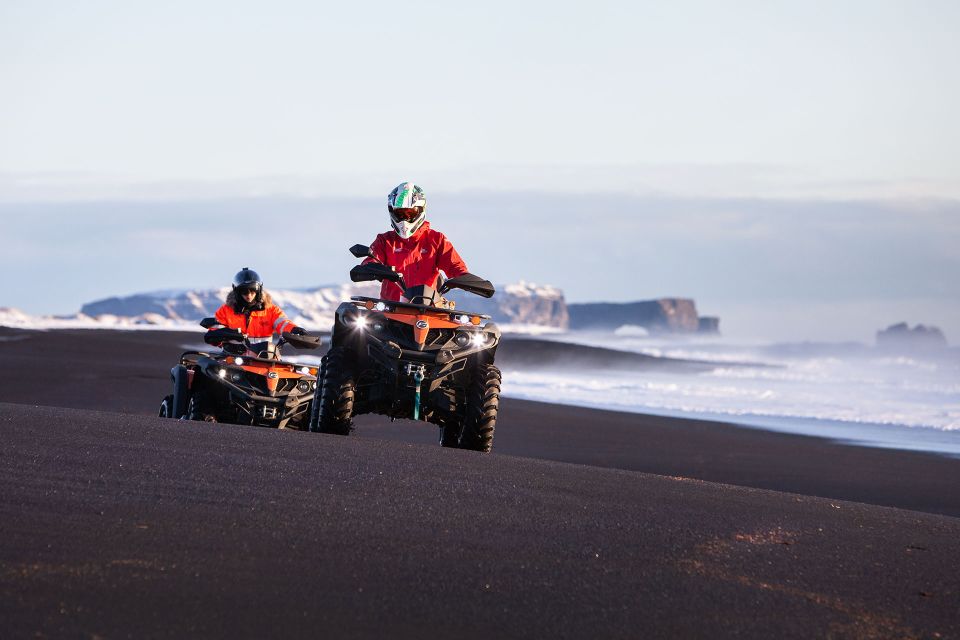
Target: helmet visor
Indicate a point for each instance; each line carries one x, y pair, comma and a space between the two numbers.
406, 214
244, 290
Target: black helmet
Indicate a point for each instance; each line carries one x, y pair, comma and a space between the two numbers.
247, 278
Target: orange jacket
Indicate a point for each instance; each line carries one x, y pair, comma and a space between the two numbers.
259, 323
420, 258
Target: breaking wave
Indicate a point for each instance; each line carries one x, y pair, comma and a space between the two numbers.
844, 391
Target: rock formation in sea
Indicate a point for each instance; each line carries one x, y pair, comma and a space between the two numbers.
665, 315
901, 337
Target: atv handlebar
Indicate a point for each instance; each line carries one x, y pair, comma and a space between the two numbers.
217, 337
301, 342
379, 271
224, 336
469, 283
375, 271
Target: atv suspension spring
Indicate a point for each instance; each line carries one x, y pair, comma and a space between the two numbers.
418, 375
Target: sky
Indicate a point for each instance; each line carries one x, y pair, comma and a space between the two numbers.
758, 156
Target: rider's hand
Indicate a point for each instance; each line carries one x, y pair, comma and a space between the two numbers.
298, 331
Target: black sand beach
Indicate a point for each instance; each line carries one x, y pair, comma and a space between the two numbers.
115, 523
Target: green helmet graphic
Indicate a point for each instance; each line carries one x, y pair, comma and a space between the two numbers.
407, 205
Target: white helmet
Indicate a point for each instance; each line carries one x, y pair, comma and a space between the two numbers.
407, 205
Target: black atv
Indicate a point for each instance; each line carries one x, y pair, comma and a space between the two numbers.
419, 359
241, 386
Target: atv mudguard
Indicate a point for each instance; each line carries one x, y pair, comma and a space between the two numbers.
181, 390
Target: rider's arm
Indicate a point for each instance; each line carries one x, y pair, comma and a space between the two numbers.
278, 321
448, 260
379, 250
222, 316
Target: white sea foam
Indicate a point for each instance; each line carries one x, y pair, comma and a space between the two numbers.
854, 393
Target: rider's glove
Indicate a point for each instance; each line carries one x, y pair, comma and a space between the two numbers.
298, 331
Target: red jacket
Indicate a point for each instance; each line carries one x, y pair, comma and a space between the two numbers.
420, 258
261, 323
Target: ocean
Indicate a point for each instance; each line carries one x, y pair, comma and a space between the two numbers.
845, 391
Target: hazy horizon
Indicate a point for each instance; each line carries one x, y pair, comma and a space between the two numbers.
786, 269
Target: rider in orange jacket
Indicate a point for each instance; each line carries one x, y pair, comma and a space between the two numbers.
251, 310
417, 252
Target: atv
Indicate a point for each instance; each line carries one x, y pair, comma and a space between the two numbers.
418, 358
242, 386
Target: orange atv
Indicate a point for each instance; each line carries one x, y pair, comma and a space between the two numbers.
240, 385
419, 359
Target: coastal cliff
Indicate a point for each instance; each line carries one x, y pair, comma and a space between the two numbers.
519, 305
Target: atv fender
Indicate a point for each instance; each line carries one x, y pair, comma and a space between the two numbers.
181, 390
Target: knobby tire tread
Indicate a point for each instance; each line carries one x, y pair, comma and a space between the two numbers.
314, 422
483, 404
338, 392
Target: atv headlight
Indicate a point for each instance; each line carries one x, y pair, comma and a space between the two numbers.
462, 339
304, 370
238, 361
360, 322
303, 386
478, 339
222, 373
381, 306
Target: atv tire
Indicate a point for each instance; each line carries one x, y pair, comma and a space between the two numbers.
480, 414
196, 406
314, 422
166, 407
335, 395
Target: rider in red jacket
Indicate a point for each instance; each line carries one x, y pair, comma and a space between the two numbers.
418, 252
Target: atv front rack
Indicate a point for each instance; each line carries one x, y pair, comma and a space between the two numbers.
229, 357
390, 304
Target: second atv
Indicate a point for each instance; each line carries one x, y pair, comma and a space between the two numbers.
418, 359
241, 386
